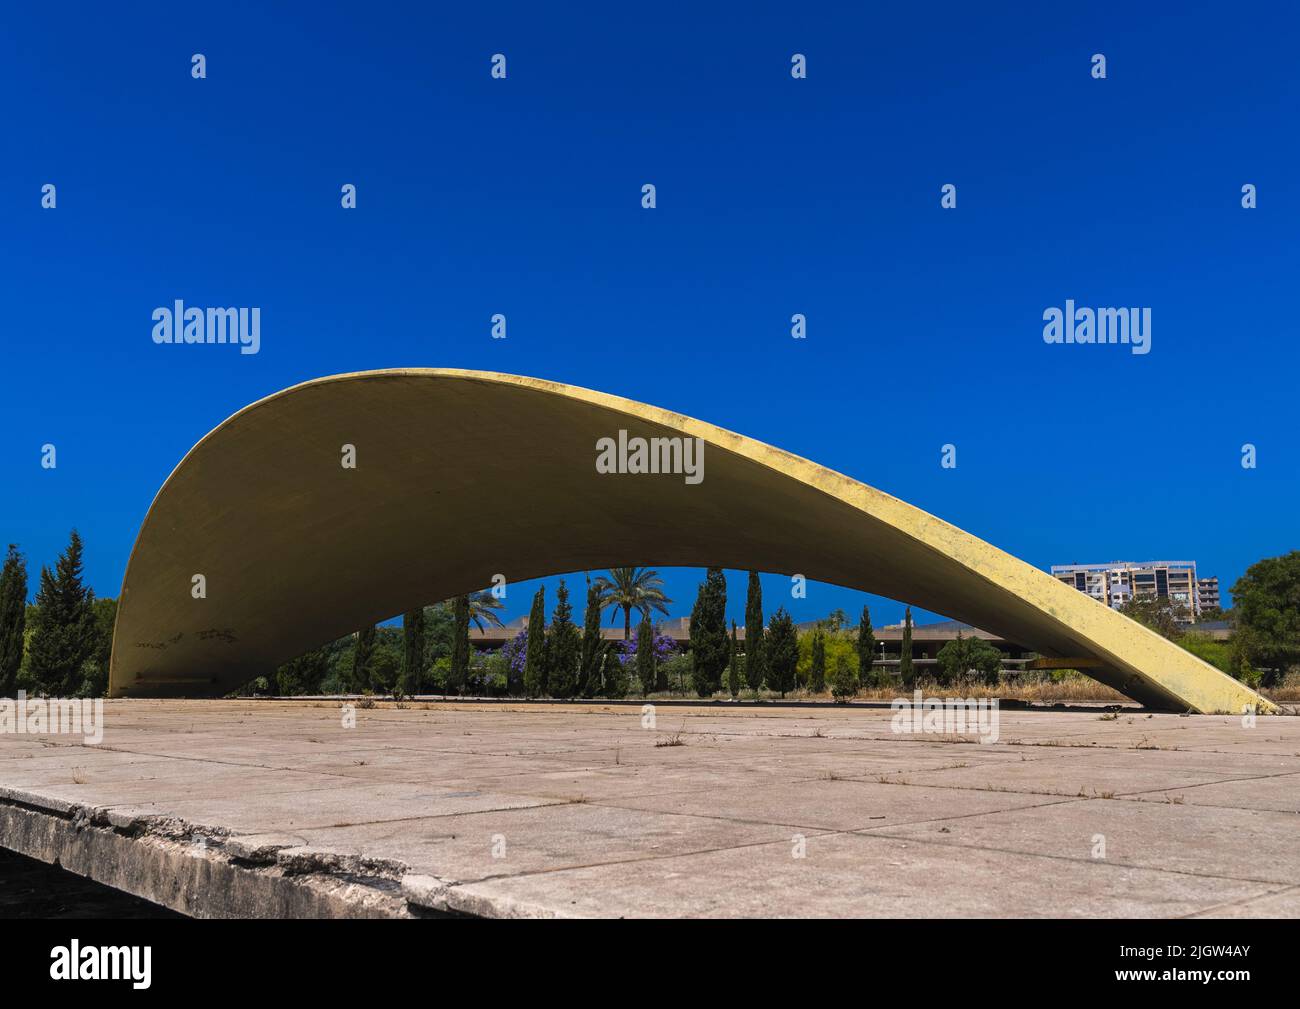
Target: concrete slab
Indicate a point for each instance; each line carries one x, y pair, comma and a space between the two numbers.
1276, 793
333, 806
1081, 773
508, 842
256, 808
1172, 838
1283, 903
156, 783
829, 805
851, 875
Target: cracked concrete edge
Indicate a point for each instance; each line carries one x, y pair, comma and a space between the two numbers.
46, 803
197, 871
428, 892
208, 872
302, 860
124, 819
452, 897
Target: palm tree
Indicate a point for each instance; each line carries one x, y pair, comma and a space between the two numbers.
482, 609
629, 589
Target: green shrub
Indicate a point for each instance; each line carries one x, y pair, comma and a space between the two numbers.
677, 672
440, 675
844, 680
836, 644
491, 673
1204, 647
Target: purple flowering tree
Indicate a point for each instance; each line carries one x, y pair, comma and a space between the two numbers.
516, 651
664, 648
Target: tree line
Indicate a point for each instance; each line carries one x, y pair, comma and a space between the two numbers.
59, 644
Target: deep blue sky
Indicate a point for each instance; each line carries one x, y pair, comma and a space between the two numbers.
776, 196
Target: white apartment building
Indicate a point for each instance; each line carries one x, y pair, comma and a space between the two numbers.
1119, 581
1207, 594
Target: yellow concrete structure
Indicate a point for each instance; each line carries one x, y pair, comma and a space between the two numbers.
263, 543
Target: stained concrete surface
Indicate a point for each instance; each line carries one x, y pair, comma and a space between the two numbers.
276, 808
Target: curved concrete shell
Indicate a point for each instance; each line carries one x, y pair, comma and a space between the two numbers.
463, 475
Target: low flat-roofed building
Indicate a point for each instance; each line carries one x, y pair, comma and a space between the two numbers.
927, 639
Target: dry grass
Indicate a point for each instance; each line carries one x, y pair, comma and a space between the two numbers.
1072, 689
1045, 691
1069, 689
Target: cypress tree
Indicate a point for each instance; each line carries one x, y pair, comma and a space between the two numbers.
866, 650
535, 657
733, 665
905, 667
564, 649
593, 652
64, 635
615, 675
440, 637
709, 634
645, 654
412, 651
817, 673
13, 618
459, 672
755, 664
782, 649
361, 656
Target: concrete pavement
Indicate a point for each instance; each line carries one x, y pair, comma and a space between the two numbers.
278, 808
